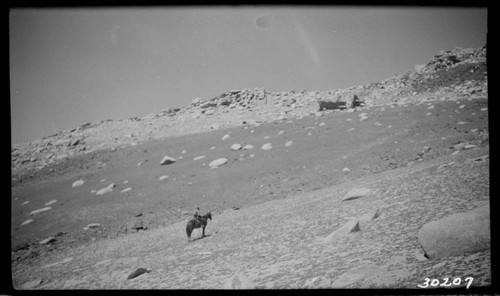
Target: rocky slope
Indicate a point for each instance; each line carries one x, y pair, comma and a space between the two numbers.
459, 73
302, 199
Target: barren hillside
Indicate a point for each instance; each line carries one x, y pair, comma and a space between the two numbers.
92, 204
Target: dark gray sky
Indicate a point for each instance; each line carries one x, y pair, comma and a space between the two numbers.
72, 66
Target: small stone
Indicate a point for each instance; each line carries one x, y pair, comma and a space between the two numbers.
40, 210
106, 189
162, 178
225, 137
267, 146
199, 157
93, 225
78, 183
27, 221
127, 189
218, 162
247, 147
48, 240
51, 202
288, 143
346, 170
235, 147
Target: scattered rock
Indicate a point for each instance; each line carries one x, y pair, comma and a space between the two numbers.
457, 234
40, 210
136, 225
106, 189
288, 143
217, 163
235, 147
370, 216
51, 202
48, 240
94, 225
346, 170
78, 183
162, 178
167, 160
267, 146
137, 273
27, 222
127, 189
350, 227
199, 157
225, 137
247, 147
356, 193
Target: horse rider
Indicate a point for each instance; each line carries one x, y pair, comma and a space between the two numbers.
197, 215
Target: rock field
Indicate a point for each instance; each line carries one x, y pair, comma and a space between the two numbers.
307, 189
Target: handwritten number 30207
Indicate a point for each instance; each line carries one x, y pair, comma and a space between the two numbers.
435, 282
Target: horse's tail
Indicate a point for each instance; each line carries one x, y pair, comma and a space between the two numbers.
189, 229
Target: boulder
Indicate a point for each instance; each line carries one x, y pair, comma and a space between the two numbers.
217, 163
267, 146
78, 183
356, 193
457, 234
40, 210
50, 202
107, 189
27, 221
167, 160
350, 227
48, 240
370, 216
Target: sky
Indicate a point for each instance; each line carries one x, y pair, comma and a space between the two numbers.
70, 66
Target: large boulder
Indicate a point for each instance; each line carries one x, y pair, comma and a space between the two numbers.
457, 234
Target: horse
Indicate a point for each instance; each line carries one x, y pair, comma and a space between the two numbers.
193, 223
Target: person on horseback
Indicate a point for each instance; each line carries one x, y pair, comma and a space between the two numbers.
197, 215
